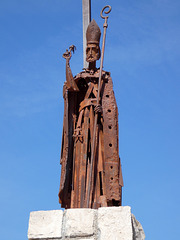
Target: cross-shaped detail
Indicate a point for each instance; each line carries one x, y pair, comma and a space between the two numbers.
78, 134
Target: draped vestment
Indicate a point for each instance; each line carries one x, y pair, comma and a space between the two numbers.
76, 149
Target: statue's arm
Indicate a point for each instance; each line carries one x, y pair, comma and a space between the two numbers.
70, 83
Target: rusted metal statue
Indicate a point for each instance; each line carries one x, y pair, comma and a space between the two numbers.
91, 171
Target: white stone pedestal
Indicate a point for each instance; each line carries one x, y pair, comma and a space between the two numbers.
111, 223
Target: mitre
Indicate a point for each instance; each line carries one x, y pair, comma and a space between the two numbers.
93, 33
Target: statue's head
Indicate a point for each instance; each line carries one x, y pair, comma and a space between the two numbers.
93, 35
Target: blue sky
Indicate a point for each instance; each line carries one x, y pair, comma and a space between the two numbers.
143, 55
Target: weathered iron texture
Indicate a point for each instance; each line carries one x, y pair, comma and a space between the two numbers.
91, 174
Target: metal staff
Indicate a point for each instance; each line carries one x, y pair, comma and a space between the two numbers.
98, 98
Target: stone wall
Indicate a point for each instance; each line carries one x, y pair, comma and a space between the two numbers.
111, 223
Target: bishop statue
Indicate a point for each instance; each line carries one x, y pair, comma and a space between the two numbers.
91, 174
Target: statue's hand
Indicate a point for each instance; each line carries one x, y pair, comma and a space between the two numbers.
98, 108
67, 55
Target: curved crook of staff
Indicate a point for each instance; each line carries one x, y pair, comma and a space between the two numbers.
93, 154
106, 12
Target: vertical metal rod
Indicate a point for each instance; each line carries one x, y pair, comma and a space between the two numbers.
98, 100
86, 6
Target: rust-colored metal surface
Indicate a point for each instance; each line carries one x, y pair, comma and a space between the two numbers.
91, 174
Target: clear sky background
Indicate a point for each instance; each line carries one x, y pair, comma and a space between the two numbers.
143, 55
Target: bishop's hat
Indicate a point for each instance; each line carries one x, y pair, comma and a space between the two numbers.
93, 32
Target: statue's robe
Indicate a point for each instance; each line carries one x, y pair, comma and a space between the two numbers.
106, 182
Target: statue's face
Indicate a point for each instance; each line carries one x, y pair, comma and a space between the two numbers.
92, 52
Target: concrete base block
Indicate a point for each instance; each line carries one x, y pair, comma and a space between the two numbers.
138, 232
111, 223
45, 225
79, 222
114, 222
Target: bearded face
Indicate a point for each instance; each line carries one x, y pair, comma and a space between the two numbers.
92, 52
